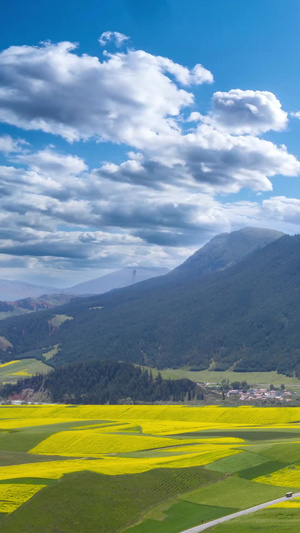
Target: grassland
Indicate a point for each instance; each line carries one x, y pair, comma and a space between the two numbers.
58, 320
263, 379
14, 370
51, 353
145, 469
268, 521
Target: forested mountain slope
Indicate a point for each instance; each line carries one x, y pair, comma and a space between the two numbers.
247, 315
223, 251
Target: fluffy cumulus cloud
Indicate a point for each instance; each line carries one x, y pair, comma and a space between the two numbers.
52, 163
210, 160
58, 209
248, 111
163, 200
283, 209
128, 97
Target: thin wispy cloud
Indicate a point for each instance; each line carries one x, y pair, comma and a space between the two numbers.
116, 37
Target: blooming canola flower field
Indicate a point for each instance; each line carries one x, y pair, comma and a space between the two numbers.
41, 445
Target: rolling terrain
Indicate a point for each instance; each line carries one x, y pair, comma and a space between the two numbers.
35, 298
243, 317
150, 468
10, 291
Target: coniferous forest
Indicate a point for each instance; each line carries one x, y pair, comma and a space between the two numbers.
246, 315
102, 382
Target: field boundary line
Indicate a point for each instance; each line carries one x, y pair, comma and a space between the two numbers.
212, 523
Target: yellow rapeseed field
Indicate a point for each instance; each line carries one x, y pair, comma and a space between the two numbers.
31, 422
14, 495
287, 477
124, 439
9, 363
242, 416
154, 419
95, 442
112, 465
21, 373
288, 504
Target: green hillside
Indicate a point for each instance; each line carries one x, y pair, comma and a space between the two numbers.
245, 316
13, 371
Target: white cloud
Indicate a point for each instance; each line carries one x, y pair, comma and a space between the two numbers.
207, 160
115, 36
140, 208
129, 97
9, 145
283, 209
248, 111
296, 114
50, 162
160, 204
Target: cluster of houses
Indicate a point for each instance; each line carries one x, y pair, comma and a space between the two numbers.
261, 394
246, 393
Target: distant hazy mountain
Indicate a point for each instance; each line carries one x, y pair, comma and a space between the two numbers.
10, 291
245, 316
116, 280
223, 251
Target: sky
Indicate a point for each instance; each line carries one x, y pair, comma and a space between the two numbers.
133, 132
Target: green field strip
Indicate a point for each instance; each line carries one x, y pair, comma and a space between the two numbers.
29, 481
266, 521
234, 490
211, 376
8, 458
249, 435
181, 515
25, 439
88, 502
158, 452
261, 470
22, 441
238, 462
288, 452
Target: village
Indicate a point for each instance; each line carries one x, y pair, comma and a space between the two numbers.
243, 392
261, 394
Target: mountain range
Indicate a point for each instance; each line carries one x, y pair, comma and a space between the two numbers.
116, 280
242, 316
223, 251
13, 291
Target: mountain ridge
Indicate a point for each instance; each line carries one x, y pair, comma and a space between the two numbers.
116, 280
245, 315
225, 250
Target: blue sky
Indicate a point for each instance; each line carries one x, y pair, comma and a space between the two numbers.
180, 124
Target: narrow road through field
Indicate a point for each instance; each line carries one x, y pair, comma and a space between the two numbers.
212, 523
